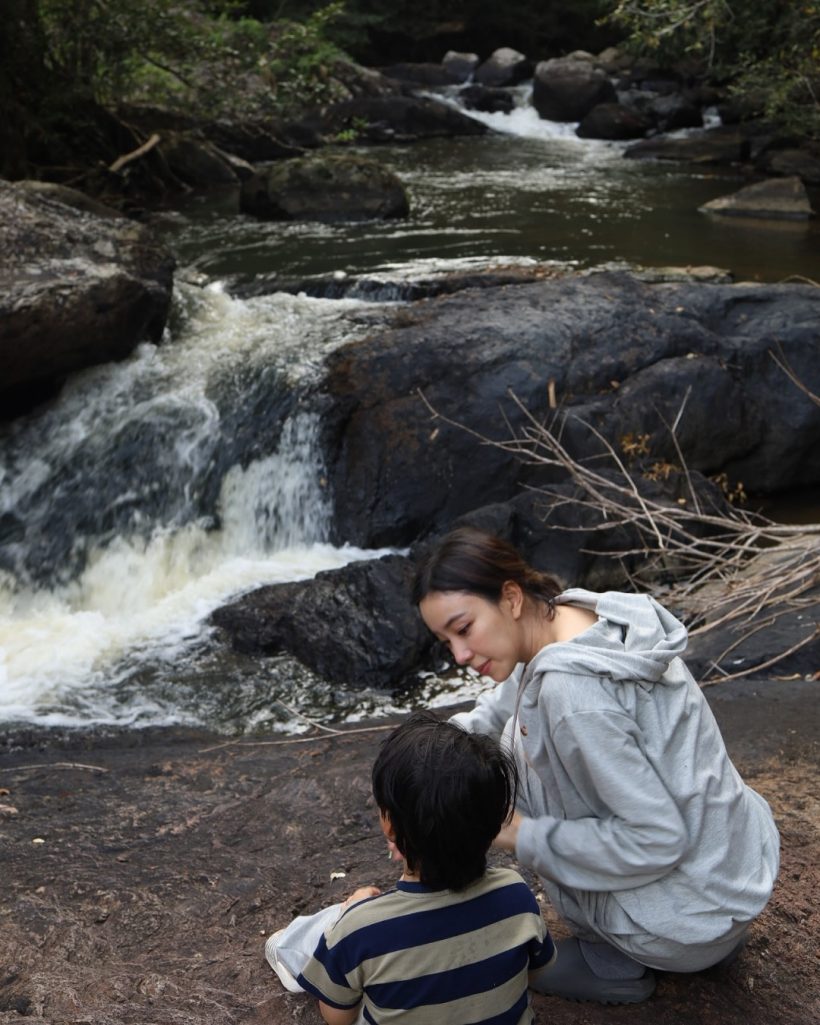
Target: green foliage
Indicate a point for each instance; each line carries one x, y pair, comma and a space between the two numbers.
193, 54
767, 50
300, 60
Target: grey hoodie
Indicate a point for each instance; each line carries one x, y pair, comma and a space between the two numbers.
647, 821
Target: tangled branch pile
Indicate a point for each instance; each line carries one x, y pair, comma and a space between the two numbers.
715, 565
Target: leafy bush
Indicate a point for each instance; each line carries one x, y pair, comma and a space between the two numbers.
768, 51
196, 54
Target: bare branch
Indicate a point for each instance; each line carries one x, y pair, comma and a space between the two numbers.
727, 569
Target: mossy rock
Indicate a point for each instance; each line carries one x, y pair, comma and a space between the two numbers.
324, 187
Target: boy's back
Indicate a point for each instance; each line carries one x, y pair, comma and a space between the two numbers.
435, 957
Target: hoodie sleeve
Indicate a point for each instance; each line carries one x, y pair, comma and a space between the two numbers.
493, 708
631, 833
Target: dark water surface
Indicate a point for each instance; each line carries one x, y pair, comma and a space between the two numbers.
476, 200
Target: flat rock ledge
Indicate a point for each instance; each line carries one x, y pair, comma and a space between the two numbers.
782, 199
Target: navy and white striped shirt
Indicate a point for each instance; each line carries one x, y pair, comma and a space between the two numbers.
428, 957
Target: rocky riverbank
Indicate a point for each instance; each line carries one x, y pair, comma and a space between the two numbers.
141, 873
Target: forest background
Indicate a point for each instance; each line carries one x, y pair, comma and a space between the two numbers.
69, 67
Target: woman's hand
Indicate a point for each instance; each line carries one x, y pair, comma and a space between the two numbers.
361, 894
508, 834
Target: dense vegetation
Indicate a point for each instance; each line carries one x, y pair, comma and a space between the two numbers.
768, 51
65, 64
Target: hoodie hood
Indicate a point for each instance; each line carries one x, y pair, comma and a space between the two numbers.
635, 639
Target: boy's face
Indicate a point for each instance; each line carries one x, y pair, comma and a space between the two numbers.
480, 633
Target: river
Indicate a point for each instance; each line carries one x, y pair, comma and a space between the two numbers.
157, 488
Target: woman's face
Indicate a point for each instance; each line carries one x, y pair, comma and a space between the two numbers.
479, 633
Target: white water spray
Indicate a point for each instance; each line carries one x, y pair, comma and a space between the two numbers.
65, 648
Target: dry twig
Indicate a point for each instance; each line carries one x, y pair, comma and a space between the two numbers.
726, 568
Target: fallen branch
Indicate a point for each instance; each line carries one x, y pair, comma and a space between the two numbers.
333, 735
135, 154
725, 568
52, 765
783, 363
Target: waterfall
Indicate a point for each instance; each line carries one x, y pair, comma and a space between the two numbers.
150, 493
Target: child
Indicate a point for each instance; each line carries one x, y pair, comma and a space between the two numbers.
454, 940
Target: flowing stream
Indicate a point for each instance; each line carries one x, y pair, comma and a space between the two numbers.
157, 488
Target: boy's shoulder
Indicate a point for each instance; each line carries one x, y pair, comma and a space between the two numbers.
410, 898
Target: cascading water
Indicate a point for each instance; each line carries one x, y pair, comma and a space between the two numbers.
152, 491
156, 488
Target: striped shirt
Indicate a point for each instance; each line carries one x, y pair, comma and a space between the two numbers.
428, 957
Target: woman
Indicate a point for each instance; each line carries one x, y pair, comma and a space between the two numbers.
646, 839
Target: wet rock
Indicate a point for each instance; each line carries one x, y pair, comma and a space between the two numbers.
800, 162
324, 187
504, 66
674, 111
724, 145
774, 199
491, 101
567, 90
460, 65
371, 635
614, 61
196, 162
421, 74
612, 121
80, 285
380, 119
252, 141
625, 356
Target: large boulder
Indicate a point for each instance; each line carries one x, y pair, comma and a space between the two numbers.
80, 285
324, 187
802, 162
379, 119
504, 66
371, 636
724, 145
612, 121
625, 357
667, 112
196, 162
460, 66
420, 74
491, 101
566, 90
782, 199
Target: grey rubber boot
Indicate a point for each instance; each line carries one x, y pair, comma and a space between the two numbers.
571, 977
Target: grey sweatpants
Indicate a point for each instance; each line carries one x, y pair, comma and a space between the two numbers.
654, 951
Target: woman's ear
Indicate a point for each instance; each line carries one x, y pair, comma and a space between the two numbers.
513, 595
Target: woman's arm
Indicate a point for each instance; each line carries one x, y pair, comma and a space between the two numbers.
633, 832
337, 1016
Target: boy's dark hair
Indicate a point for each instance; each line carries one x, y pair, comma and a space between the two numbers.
447, 792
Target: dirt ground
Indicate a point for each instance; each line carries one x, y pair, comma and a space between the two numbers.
140, 875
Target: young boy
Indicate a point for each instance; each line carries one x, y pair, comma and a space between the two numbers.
454, 941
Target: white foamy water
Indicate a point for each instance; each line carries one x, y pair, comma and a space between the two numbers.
71, 649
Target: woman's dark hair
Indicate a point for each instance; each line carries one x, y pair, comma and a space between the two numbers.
447, 792
471, 560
